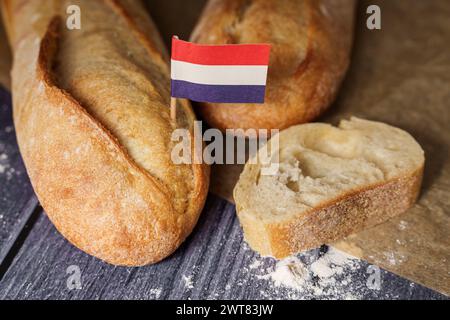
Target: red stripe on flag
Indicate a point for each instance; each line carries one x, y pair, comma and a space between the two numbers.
229, 54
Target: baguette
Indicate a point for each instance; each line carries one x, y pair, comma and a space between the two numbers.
5, 58
331, 182
311, 45
93, 126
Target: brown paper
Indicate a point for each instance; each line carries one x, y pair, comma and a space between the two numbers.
399, 75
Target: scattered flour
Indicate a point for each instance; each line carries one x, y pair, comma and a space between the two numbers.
188, 284
393, 258
332, 263
326, 276
290, 273
255, 264
5, 167
403, 225
156, 293
3, 163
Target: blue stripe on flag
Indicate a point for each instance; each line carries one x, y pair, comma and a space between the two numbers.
218, 93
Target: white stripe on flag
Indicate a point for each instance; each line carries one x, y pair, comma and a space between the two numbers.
219, 75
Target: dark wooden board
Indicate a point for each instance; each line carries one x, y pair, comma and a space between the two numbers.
17, 200
215, 258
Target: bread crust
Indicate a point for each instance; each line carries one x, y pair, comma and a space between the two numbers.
97, 195
311, 44
363, 173
335, 219
5, 58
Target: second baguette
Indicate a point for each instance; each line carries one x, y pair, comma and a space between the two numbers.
311, 44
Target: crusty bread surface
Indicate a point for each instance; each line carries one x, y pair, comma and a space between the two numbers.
311, 44
331, 182
91, 110
5, 57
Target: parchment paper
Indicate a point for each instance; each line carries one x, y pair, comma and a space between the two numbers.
399, 75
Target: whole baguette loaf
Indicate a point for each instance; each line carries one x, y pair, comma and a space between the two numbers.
331, 182
311, 45
93, 125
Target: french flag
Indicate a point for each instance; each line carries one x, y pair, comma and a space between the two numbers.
235, 73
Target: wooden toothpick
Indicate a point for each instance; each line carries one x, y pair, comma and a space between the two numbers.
173, 109
173, 104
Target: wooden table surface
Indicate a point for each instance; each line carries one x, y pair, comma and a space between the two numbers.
214, 263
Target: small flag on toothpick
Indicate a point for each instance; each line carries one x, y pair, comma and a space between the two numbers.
235, 73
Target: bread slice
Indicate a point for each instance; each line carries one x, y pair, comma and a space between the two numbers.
331, 182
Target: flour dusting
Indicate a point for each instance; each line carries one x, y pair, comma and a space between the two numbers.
188, 283
155, 293
4, 165
394, 258
290, 273
403, 225
255, 264
326, 276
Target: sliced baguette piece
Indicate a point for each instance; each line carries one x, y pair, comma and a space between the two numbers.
331, 182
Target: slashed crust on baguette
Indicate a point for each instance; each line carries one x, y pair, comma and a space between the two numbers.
332, 182
311, 44
93, 126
